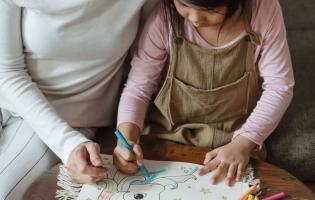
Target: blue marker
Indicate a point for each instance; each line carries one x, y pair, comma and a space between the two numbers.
124, 142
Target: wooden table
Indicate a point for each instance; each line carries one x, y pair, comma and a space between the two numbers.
273, 179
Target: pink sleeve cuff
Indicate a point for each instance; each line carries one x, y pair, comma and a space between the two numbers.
254, 137
132, 110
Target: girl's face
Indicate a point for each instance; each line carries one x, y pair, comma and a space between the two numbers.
199, 16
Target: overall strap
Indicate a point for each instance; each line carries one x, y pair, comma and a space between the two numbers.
251, 37
177, 41
247, 14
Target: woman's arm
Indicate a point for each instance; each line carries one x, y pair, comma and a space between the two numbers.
275, 68
23, 95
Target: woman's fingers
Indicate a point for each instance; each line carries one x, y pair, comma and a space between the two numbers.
86, 178
94, 154
231, 174
92, 171
209, 167
79, 166
83, 166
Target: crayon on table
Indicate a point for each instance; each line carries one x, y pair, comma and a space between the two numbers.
252, 197
278, 196
251, 190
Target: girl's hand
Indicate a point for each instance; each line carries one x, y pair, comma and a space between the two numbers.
85, 164
229, 161
125, 160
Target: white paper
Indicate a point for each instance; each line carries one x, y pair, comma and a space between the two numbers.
179, 181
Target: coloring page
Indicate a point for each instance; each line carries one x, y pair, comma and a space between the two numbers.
168, 180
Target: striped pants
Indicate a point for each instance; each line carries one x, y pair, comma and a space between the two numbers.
23, 156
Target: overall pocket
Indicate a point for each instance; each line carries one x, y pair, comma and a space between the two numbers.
194, 105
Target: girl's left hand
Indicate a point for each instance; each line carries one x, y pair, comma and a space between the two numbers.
229, 160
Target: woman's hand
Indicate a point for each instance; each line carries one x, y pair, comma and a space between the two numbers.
85, 164
229, 161
124, 160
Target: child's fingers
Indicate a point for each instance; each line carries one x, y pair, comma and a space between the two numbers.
125, 153
210, 155
209, 167
231, 174
240, 171
221, 169
138, 152
125, 166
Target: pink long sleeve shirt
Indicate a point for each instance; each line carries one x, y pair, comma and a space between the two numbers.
272, 59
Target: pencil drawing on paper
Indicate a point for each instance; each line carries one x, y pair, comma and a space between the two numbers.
123, 187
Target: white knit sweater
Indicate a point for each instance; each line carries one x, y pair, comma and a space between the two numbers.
60, 63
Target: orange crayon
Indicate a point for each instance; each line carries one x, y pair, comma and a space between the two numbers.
251, 190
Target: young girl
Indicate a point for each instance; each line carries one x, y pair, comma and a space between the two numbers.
226, 79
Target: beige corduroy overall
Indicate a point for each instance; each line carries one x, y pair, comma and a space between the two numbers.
207, 93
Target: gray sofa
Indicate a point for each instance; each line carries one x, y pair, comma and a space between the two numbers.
292, 145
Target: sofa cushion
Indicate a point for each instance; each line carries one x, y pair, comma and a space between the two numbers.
299, 14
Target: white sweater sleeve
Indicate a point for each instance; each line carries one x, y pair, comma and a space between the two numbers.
17, 88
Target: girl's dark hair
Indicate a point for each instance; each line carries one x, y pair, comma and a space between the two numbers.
171, 15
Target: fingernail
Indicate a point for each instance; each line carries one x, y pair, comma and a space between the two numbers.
99, 162
139, 162
228, 183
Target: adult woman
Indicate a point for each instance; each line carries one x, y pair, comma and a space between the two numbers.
60, 67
